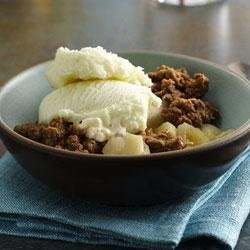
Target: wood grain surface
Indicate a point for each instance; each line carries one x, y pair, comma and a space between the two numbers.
31, 30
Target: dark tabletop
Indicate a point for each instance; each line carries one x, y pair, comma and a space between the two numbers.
31, 31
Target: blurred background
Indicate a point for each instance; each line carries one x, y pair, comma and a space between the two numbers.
31, 30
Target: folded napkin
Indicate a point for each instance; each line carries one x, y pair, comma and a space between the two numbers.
28, 208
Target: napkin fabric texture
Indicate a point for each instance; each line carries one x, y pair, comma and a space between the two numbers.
28, 208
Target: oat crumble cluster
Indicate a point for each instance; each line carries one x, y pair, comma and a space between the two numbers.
60, 134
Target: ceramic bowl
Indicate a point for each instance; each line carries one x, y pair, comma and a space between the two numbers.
126, 180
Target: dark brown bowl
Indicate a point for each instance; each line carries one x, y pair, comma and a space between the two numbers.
129, 180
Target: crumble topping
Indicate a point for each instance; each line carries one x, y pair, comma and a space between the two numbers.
181, 95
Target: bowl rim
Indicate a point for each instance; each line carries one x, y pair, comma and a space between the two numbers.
243, 130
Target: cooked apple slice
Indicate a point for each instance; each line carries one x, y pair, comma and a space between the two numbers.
210, 131
126, 145
154, 118
224, 133
191, 134
167, 127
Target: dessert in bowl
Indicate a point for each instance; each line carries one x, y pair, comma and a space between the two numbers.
103, 104
157, 159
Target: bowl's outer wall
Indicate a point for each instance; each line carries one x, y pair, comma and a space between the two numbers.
132, 180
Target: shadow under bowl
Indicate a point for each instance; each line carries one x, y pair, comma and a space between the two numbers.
129, 180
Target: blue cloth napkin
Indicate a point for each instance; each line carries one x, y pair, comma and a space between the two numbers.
28, 208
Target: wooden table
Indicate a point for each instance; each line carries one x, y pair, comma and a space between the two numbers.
30, 32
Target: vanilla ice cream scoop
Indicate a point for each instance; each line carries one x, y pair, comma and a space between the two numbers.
93, 64
99, 91
104, 108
